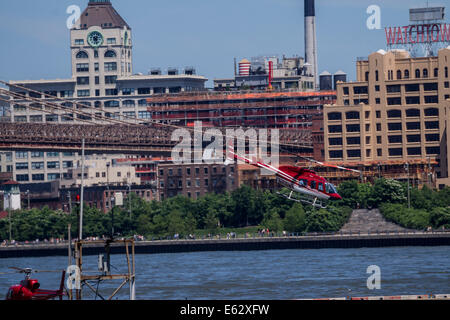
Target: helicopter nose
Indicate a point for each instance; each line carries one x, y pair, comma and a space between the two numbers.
336, 196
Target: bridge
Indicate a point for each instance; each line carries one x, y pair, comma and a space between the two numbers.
118, 138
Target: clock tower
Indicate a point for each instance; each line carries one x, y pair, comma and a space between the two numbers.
101, 47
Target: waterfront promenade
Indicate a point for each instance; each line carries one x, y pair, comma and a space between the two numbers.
246, 243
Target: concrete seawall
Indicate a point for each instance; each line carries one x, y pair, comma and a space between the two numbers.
304, 242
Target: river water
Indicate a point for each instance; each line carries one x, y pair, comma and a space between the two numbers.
261, 275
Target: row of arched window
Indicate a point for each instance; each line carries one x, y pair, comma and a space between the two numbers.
84, 55
406, 75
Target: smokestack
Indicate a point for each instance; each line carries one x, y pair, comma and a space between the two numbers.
310, 39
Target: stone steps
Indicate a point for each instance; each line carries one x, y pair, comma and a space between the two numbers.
363, 220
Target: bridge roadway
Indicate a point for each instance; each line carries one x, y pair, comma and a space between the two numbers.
337, 240
118, 138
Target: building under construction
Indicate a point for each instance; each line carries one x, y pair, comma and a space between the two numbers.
282, 110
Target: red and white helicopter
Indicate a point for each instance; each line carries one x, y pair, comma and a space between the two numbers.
29, 289
305, 185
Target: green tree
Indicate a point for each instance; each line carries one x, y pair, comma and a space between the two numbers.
272, 221
295, 219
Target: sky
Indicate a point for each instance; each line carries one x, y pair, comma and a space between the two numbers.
205, 34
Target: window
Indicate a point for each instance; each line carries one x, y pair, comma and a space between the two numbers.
367, 126
22, 177
378, 114
413, 126
353, 140
432, 112
21, 155
96, 66
37, 165
417, 151
379, 152
142, 103
406, 74
128, 103
35, 118
378, 126
37, 154
431, 99
97, 80
432, 137
38, 177
395, 139
394, 101
436, 72
143, 90
110, 66
53, 165
112, 104
395, 152
446, 72
82, 80
413, 138
433, 150
412, 87
430, 86
353, 128
394, 114
334, 116
110, 54
335, 141
425, 73
336, 154
111, 92
413, 113
395, 126
417, 73
83, 93
111, 41
110, 79
412, 100
431, 125
69, 164
22, 166
378, 139
128, 91
144, 115
52, 154
82, 55
352, 115
393, 88
66, 93
367, 114
53, 176
377, 88
79, 42
354, 153
360, 90
82, 67
376, 75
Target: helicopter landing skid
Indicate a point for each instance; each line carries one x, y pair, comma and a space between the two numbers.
313, 201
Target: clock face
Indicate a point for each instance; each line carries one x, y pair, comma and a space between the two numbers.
95, 39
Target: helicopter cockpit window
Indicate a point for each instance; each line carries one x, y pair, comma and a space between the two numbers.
303, 182
313, 184
331, 188
320, 188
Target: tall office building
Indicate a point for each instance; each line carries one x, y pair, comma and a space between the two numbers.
393, 121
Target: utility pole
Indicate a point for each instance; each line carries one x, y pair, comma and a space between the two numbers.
28, 196
70, 202
409, 198
129, 198
82, 192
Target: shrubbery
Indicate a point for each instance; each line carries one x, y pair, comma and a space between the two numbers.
240, 208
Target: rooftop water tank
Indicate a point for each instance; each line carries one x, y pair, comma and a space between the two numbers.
326, 81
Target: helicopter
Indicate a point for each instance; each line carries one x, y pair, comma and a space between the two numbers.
306, 186
29, 289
